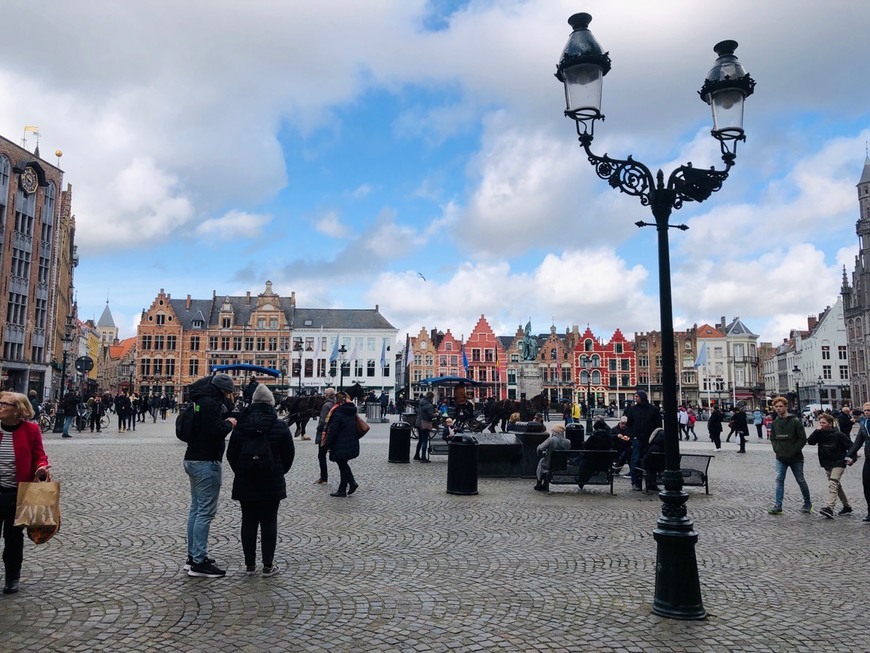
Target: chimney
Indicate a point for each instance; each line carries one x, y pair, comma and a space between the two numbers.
812, 321
187, 303
248, 298
377, 306
293, 298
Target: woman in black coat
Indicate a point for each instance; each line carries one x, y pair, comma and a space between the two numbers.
714, 426
260, 453
342, 441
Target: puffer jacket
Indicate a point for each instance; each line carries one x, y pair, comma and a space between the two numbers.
788, 437
833, 447
210, 427
425, 411
257, 421
342, 439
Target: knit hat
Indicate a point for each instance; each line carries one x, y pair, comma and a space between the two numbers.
641, 394
262, 395
223, 382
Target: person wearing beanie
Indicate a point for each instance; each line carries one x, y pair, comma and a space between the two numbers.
643, 419
202, 463
260, 453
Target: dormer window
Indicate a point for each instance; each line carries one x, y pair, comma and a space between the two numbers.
226, 322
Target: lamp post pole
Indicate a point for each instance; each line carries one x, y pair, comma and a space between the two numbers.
66, 339
581, 69
588, 364
797, 389
297, 348
821, 384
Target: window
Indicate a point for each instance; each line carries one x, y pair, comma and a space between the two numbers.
193, 367
170, 367
618, 348
158, 343
273, 343
358, 368
475, 355
194, 343
309, 368
442, 360
512, 377
826, 372
489, 356
225, 343
448, 346
146, 342
844, 372
611, 365
386, 370
237, 343
171, 343
212, 342
841, 352
249, 343
161, 319
145, 367
273, 322
158, 366
226, 322
826, 352
261, 343
261, 323
370, 344
370, 368
643, 360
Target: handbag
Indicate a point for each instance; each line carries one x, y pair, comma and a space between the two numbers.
362, 427
38, 509
426, 424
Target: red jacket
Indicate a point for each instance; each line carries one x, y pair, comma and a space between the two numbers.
29, 453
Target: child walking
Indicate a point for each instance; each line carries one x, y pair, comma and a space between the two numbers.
833, 447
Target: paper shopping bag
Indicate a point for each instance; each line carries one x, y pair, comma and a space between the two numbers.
38, 509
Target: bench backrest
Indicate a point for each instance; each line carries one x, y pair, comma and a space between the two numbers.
562, 460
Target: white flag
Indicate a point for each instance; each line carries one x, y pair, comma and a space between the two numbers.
701, 359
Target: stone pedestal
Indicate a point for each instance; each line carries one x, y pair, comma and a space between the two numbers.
529, 381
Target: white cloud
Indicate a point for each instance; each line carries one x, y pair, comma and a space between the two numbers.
329, 224
233, 225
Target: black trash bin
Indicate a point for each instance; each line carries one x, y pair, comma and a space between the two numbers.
400, 443
462, 464
576, 433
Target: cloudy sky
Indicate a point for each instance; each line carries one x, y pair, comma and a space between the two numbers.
347, 153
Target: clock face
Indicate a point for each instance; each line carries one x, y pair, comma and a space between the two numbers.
29, 181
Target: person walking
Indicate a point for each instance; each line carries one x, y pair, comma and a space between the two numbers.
70, 406
691, 427
426, 414
98, 409
259, 485
328, 403
758, 420
342, 441
643, 419
714, 426
741, 427
384, 400
788, 439
833, 446
863, 440
213, 399
22, 460
683, 420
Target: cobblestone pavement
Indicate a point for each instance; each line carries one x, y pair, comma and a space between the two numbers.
404, 566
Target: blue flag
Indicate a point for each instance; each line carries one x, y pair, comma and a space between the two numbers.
334, 355
464, 360
701, 359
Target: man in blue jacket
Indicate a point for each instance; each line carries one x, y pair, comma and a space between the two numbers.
213, 399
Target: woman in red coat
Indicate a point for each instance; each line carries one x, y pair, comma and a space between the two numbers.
22, 459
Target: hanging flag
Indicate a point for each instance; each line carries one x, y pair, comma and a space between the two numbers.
333, 356
317, 343
384, 354
464, 360
701, 359
354, 352
407, 351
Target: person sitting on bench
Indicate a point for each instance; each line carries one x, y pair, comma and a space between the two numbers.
592, 463
555, 442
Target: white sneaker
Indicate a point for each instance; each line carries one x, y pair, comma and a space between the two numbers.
271, 571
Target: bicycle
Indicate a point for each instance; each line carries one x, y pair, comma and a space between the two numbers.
46, 421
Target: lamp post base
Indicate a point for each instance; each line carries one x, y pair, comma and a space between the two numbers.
678, 590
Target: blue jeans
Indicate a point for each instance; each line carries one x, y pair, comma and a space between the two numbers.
797, 468
638, 452
67, 422
205, 488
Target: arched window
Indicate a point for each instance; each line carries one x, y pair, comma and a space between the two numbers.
596, 377
587, 345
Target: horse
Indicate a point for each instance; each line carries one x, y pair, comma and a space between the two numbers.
299, 410
356, 392
501, 410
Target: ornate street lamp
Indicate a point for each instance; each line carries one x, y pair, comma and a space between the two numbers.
821, 384
341, 352
582, 69
65, 339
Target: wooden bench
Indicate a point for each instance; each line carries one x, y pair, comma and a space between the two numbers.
565, 467
693, 468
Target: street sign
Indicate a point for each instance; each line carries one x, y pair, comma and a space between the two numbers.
84, 364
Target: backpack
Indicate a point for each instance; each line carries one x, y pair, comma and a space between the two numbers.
184, 422
255, 456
